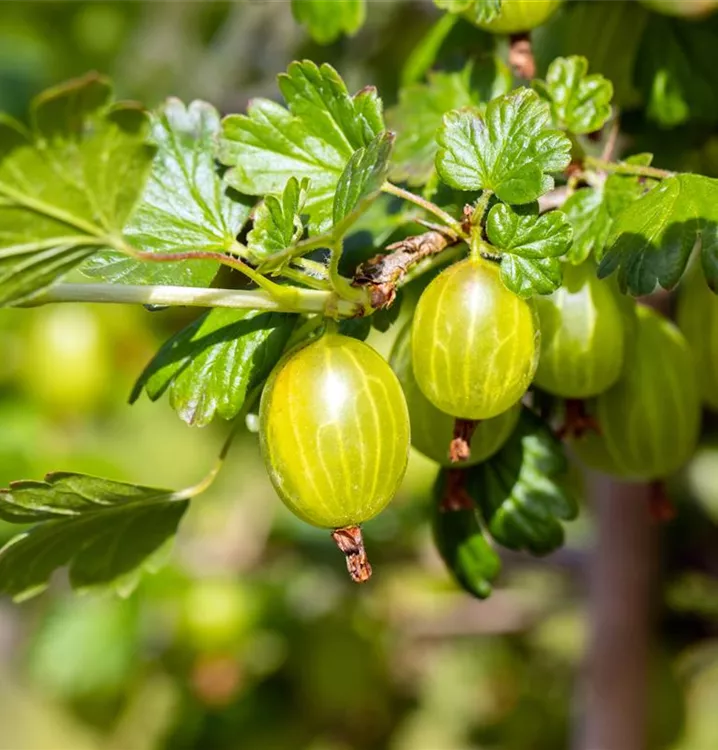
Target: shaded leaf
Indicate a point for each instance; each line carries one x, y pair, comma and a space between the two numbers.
210, 366
510, 150
185, 205
68, 184
327, 20
530, 245
652, 238
580, 103
314, 137
421, 108
277, 221
521, 489
102, 529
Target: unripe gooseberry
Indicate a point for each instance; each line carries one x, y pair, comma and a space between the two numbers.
518, 15
474, 343
432, 429
650, 418
685, 8
697, 317
334, 432
582, 335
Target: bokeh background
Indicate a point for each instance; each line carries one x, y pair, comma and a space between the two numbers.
251, 636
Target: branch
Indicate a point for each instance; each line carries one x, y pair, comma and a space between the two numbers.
628, 169
296, 300
382, 274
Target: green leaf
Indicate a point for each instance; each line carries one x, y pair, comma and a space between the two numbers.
580, 103
277, 221
185, 205
530, 246
471, 560
652, 238
68, 184
314, 138
479, 11
210, 366
676, 69
521, 489
592, 211
327, 20
418, 116
361, 181
510, 150
103, 530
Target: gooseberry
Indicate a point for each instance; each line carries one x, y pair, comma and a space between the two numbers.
334, 432
686, 8
518, 15
650, 418
432, 429
582, 334
475, 344
697, 317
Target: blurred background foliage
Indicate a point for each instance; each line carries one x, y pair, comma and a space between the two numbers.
252, 636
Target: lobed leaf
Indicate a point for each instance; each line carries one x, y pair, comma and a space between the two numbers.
68, 184
580, 103
103, 530
313, 138
327, 20
652, 238
521, 490
530, 245
419, 114
510, 150
210, 366
277, 221
184, 206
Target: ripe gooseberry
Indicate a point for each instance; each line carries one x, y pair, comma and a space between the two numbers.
650, 418
518, 15
334, 432
582, 334
685, 8
697, 317
432, 429
474, 343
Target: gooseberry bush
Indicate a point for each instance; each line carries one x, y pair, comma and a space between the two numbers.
485, 221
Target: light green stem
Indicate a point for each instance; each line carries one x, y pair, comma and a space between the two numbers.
432, 208
619, 167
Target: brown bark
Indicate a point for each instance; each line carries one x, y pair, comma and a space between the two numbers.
614, 689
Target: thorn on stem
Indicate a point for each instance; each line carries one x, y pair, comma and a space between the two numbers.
460, 446
350, 541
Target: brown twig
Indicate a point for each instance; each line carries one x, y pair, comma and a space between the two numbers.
455, 496
460, 446
382, 273
350, 542
659, 504
521, 56
577, 421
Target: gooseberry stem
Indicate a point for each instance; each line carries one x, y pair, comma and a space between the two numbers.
432, 208
350, 541
619, 167
460, 446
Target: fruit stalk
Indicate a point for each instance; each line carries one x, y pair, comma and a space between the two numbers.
460, 447
351, 543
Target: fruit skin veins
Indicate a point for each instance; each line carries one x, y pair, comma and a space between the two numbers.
686, 8
697, 317
582, 336
520, 15
474, 343
334, 432
432, 429
650, 418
